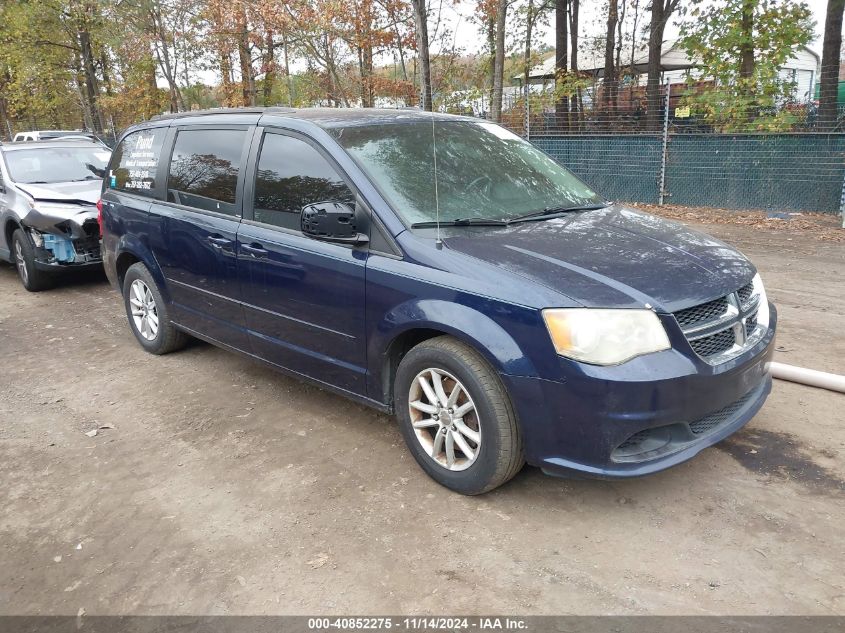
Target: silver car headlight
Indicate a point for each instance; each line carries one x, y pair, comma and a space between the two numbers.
603, 336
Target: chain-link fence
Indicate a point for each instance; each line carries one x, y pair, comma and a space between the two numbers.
689, 145
679, 143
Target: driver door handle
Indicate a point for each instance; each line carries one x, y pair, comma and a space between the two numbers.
220, 243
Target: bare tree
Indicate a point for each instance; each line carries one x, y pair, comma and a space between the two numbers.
421, 23
661, 11
499, 60
561, 53
609, 82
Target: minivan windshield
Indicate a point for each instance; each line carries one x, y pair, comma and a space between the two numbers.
57, 164
483, 171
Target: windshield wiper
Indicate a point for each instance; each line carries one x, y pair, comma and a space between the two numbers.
460, 222
550, 211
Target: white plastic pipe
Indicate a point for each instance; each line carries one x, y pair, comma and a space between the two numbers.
810, 377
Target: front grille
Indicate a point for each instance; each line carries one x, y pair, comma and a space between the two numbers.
635, 440
714, 344
709, 311
709, 423
745, 293
720, 329
660, 440
750, 324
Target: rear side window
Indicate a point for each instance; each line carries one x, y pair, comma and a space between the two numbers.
135, 161
204, 169
290, 175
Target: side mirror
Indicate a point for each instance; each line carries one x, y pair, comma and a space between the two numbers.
331, 221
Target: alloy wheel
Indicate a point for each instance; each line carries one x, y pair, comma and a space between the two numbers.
20, 262
444, 419
144, 311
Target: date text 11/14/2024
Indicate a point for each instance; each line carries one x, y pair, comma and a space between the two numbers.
418, 623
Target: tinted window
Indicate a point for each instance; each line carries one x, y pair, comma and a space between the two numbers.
57, 164
204, 169
135, 162
292, 174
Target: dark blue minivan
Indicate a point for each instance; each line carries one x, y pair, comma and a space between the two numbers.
441, 268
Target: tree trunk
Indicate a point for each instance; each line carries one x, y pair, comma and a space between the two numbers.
746, 49
491, 49
92, 89
247, 76
163, 55
831, 50
575, 100
609, 82
104, 70
269, 64
401, 50
634, 75
499, 61
79, 81
655, 51
288, 78
5, 80
561, 57
226, 73
526, 55
421, 23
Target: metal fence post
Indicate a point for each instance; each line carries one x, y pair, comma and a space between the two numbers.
662, 191
842, 202
527, 112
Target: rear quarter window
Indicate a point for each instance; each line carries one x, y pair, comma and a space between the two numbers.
135, 162
204, 169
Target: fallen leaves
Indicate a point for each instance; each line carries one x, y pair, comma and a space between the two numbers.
823, 226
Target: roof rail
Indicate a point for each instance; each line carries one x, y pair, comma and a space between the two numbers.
210, 111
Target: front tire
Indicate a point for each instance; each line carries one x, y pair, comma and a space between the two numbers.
456, 417
148, 314
23, 256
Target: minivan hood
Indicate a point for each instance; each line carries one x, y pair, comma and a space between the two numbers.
612, 257
84, 192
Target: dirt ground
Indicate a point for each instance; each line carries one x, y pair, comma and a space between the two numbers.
225, 488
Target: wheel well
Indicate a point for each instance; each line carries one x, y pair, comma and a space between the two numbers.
397, 349
8, 230
124, 261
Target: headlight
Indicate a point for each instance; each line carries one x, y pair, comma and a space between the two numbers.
605, 337
763, 303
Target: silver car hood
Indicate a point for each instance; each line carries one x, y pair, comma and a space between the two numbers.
85, 192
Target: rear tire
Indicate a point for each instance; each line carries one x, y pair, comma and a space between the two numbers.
148, 314
480, 444
23, 257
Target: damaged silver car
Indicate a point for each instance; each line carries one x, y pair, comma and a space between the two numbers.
48, 207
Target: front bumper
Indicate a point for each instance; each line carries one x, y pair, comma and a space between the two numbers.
54, 267
640, 417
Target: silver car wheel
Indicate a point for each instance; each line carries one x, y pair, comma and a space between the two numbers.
144, 311
445, 419
20, 262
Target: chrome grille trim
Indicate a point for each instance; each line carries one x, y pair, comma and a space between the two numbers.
723, 328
